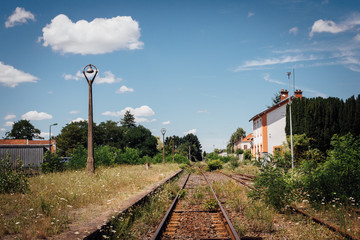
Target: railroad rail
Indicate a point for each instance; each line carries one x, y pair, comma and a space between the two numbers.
294, 209
186, 220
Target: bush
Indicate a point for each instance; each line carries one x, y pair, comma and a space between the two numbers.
247, 154
339, 176
129, 156
78, 158
239, 151
105, 155
52, 163
12, 177
234, 163
213, 165
274, 187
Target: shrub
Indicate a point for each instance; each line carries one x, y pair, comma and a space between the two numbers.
234, 163
129, 156
275, 187
339, 176
52, 163
12, 177
104, 155
213, 165
247, 154
239, 151
211, 205
78, 158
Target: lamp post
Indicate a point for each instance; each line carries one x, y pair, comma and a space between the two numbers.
90, 165
163, 131
291, 137
50, 135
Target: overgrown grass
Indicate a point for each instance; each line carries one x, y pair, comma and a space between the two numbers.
55, 198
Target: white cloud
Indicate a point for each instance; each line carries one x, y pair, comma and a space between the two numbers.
143, 111
166, 123
9, 117
102, 35
79, 119
330, 26
2, 130
74, 112
11, 77
268, 79
124, 89
193, 131
45, 135
294, 30
19, 16
78, 76
255, 64
108, 77
8, 124
250, 14
325, 2
34, 115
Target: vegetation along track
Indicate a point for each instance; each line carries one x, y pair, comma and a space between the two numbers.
244, 179
202, 217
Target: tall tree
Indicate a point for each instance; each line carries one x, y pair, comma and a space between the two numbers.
23, 129
128, 120
191, 141
237, 135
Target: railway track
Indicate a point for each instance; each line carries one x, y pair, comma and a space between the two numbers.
198, 216
244, 179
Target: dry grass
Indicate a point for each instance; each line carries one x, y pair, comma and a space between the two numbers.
55, 199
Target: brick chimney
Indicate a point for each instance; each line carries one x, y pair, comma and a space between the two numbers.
284, 94
298, 93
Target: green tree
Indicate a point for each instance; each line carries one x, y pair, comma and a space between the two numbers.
140, 138
128, 120
23, 129
71, 136
193, 142
111, 134
238, 134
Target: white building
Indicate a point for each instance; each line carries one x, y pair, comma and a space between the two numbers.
269, 127
243, 143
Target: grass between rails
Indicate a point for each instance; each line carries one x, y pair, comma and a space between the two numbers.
54, 199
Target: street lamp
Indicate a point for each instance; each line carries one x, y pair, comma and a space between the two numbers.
163, 131
291, 137
50, 135
90, 166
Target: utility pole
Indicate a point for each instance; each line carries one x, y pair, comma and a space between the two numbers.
291, 137
173, 148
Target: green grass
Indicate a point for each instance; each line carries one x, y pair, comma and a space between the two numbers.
54, 199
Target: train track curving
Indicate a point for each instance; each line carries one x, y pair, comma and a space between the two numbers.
202, 218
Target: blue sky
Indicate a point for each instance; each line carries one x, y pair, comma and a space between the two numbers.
204, 67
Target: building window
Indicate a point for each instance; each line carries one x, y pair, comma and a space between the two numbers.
245, 147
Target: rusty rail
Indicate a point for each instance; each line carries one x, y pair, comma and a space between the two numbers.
161, 229
232, 232
315, 219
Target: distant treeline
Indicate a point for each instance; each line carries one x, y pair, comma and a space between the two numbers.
320, 118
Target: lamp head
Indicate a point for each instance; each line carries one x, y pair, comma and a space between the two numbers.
163, 131
90, 70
